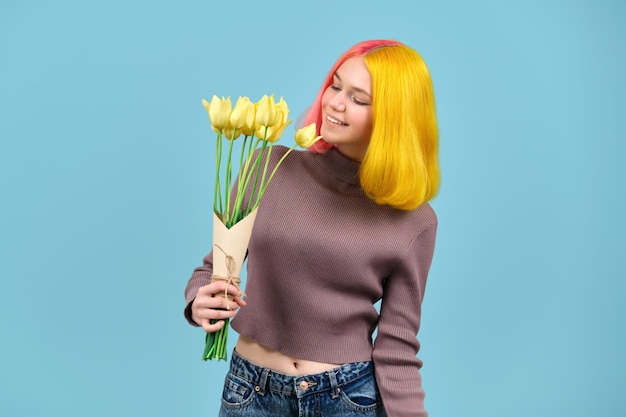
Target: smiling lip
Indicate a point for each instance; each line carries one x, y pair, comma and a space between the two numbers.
335, 121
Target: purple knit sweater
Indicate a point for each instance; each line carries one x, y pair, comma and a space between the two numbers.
321, 255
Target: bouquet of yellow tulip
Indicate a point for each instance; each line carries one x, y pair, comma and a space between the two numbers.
261, 125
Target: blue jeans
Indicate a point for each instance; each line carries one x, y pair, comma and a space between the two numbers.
253, 391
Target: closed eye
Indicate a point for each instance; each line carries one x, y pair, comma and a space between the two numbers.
357, 101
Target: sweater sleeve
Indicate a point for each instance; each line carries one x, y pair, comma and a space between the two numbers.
200, 277
396, 345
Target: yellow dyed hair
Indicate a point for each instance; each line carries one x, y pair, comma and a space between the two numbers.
401, 167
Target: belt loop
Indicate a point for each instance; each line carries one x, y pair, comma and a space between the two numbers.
262, 385
334, 387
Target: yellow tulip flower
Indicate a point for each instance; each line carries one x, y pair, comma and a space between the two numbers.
231, 134
262, 132
283, 109
219, 112
265, 111
207, 106
275, 132
305, 137
278, 124
250, 110
243, 114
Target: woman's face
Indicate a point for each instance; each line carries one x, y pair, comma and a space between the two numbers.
347, 109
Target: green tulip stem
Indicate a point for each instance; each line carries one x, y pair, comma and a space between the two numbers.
264, 184
243, 147
238, 196
244, 180
216, 343
250, 148
280, 161
217, 198
256, 171
229, 176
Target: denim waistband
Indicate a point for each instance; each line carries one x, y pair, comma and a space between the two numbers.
266, 379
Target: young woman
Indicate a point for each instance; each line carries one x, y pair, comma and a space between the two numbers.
342, 226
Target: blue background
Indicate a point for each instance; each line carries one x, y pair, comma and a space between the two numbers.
106, 176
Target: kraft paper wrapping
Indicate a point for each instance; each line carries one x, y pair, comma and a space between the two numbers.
229, 249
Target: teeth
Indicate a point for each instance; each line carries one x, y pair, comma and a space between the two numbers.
335, 121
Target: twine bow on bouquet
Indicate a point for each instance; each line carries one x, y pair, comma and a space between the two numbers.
235, 203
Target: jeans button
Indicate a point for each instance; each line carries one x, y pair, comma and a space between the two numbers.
304, 385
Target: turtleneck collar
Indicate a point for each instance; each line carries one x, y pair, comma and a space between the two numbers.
336, 165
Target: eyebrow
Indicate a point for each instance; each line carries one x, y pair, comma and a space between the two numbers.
354, 88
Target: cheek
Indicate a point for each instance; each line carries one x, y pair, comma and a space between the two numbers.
325, 97
366, 121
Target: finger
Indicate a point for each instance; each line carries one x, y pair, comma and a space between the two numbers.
212, 328
213, 314
235, 303
236, 291
206, 307
240, 302
220, 302
212, 289
219, 287
211, 301
208, 289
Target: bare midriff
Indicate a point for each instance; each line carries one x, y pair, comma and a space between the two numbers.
279, 362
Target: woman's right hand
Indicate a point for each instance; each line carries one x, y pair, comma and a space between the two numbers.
208, 306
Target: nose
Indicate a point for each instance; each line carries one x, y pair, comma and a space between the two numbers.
337, 102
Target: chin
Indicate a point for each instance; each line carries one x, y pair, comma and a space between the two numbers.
331, 140
330, 137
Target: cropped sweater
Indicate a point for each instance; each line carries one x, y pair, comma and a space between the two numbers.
321, 255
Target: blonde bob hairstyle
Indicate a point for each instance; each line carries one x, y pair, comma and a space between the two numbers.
400, 167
